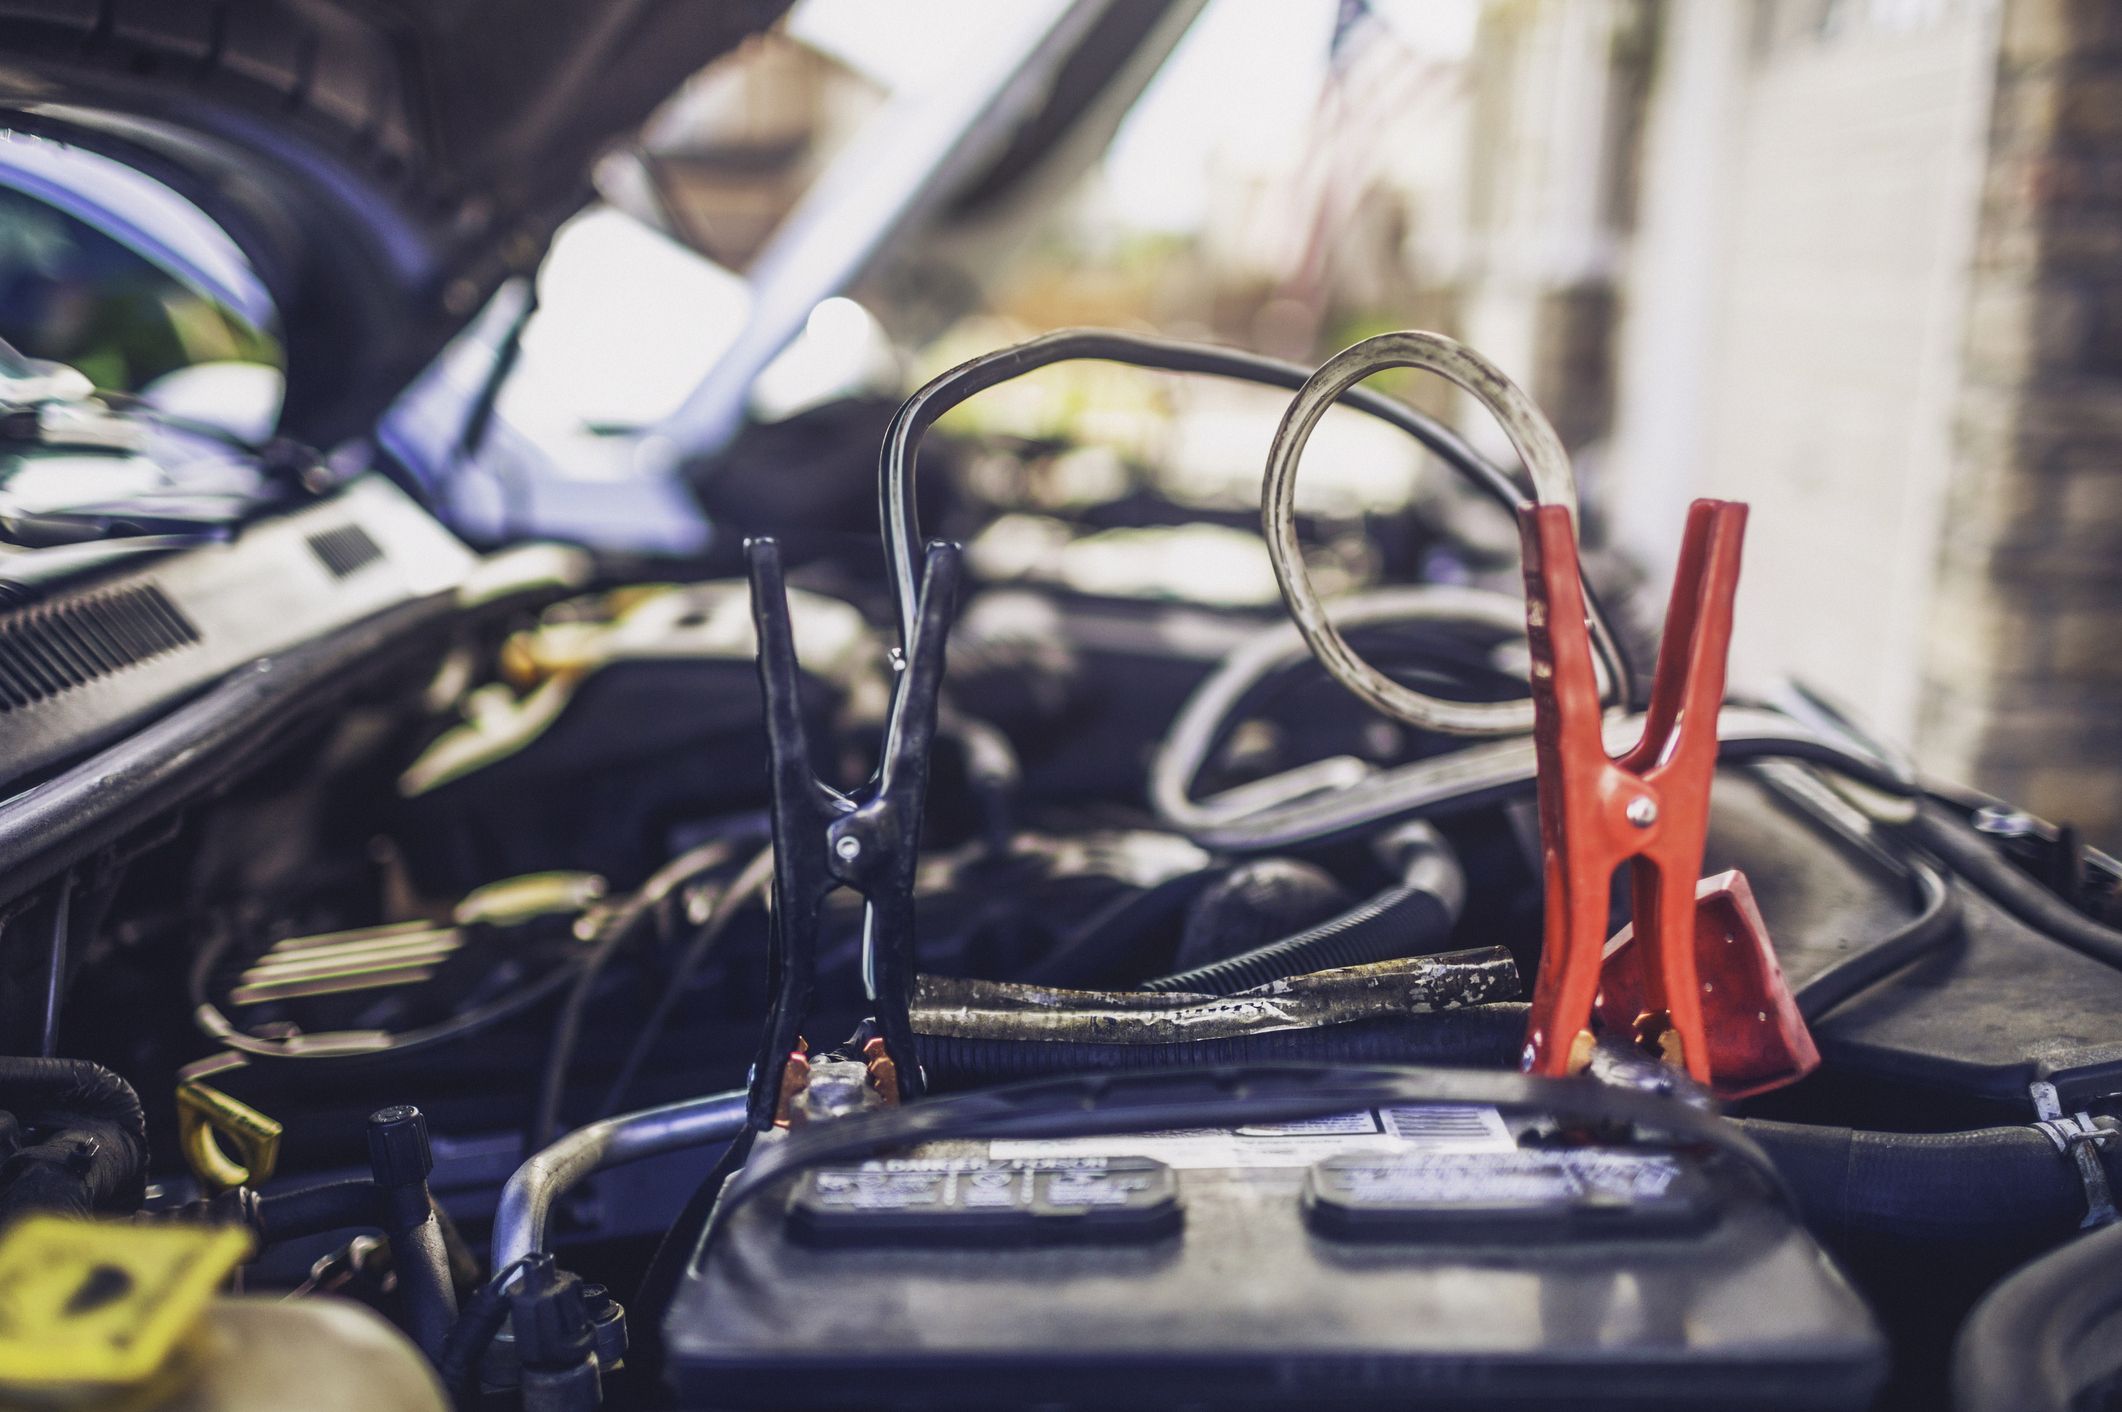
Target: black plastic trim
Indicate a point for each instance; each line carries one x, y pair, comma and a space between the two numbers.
55, 648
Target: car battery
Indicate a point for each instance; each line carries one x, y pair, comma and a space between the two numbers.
1438, 1256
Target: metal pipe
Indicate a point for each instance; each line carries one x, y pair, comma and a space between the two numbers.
527, 1201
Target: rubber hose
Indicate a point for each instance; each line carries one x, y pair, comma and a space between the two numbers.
1970, 855
333, 1206
2004, 1184
2025, 1347
356, 1204
1256, 903
1479, 1036
427, 1289
72, 1102
475, 1327
1408, 920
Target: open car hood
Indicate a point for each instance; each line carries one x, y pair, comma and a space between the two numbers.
385, 164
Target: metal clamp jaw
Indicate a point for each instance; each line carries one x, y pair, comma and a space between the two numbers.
866, 840
1693, 981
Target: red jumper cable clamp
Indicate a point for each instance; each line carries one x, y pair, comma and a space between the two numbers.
1694, 981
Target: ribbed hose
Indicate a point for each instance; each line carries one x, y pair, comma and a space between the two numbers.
93, 1152
1408, 920
1991, 1184
1479, 1036
1397, 922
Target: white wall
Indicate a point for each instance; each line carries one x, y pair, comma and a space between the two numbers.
1792, 321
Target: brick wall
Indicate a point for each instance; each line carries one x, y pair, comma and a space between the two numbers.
2023, 650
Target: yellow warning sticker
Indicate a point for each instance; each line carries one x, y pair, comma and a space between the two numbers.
86, 1303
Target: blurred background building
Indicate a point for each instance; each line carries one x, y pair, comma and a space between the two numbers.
1857, 262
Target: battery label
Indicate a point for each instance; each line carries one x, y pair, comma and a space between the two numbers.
985, 1201
1455, 1127
1577, 1189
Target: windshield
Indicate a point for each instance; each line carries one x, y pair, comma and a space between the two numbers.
110, 273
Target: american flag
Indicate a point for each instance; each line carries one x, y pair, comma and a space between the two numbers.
1372, 80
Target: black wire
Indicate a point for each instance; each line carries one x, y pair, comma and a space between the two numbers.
902, 440
625, 922
1936, 921
1938, 899
567, 1025
479, 414
517, 497
1847, 763
659, 1283
1970, 855
675, 986
224, 1031
582, 971
1840, 719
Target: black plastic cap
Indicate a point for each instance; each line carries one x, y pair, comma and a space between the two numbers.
398, 1153
549, 1317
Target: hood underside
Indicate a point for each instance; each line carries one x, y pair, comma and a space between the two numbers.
385, 164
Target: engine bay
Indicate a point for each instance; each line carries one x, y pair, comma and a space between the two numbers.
817, 977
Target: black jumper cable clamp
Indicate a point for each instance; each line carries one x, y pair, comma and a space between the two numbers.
866, 840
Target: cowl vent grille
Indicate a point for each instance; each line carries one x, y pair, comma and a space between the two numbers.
55, 647
345, 550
